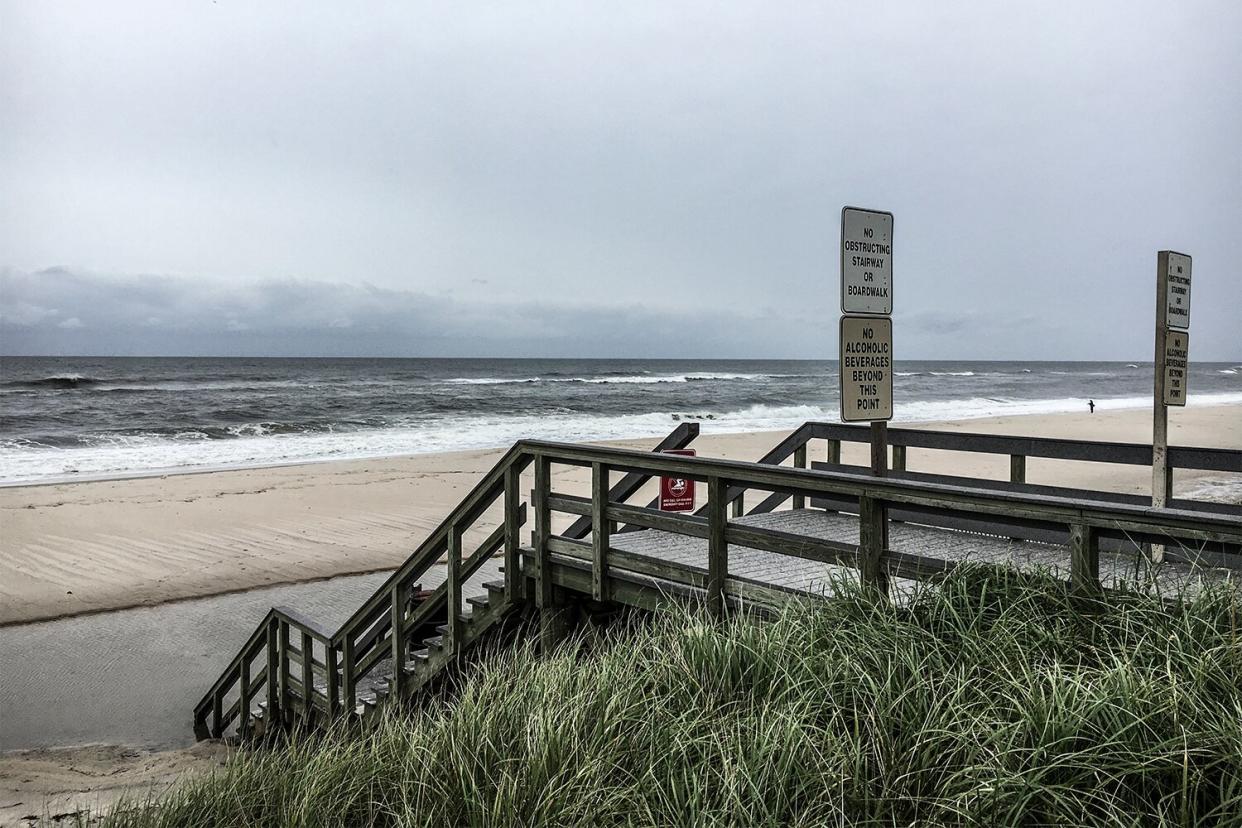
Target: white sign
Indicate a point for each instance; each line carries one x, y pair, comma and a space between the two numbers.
1176, 357
1177, 291
866, 368
866, 261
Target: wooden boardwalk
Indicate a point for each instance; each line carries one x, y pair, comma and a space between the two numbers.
887, 532
1116, 568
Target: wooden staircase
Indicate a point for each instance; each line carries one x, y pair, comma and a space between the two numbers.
293, 672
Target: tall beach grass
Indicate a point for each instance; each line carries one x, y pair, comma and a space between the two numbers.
986, 700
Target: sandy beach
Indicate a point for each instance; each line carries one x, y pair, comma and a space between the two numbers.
91, 546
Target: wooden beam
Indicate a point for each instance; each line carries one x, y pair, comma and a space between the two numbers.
717, 543
600, 526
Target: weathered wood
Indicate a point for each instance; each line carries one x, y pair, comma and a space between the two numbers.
454, 585
788, 543
349, 686
243, 700
1084, 558
682, 524
899, 458
1017, 468
275, 670
833, 454
334, 682
717, 543
543, 530
398, 635
799, 461
308, 670
599, 531
513, 533
629, 484
871, 544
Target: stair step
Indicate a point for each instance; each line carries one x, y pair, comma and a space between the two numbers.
494, 586
479, 602
421, 656
436, 641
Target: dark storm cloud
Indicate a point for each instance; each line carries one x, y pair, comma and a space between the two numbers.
60, 311
688, 159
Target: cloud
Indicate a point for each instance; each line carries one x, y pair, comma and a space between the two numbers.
145, 314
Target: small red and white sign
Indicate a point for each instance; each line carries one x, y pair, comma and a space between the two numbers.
677, 493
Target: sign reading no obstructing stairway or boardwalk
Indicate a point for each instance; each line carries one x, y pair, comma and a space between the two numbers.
677, 493
1177, 291
866, 261
866, 368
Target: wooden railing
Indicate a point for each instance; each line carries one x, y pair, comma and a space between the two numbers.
1084, 522
301, 670
330, 666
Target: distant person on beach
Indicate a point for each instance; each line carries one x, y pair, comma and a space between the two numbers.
1091, 405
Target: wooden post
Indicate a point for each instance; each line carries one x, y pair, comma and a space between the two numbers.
396, 625
717, 546
879, 468
274, 672
899, 458
600, 530
308, 677
1017, 468
739, 505
834, 452
514, 590
453, 590
334, 680
871, 544
1084, 559
542, 531
1160, 411
243, 701
799, 461
217, 715
349, 700
282, 687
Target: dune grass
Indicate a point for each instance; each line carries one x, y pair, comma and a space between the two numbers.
989, 700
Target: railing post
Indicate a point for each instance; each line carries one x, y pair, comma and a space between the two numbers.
600, 531
334, 681
871, 544
348, 685
396, 629
834, 452
514, 587
799, 461
717, 545
1084, 559
738, 507
899, 458
542, 532
243, 700
274, 671
453, 591
1017, 468
308, 677
217, 715
282, 690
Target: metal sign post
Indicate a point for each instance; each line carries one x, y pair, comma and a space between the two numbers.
865, 355
1171, 369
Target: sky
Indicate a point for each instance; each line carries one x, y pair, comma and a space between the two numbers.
612, 179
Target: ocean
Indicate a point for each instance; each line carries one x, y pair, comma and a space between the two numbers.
90, 417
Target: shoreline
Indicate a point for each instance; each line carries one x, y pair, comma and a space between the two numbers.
1213, 400
91, 546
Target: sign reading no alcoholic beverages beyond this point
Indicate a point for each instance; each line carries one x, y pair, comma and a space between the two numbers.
1177, 291
866, 261
866, 368
677, 493
1176, 354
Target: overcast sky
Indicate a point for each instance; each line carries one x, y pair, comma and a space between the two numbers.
612, 179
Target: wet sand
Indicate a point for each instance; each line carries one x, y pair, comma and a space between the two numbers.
91, 546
